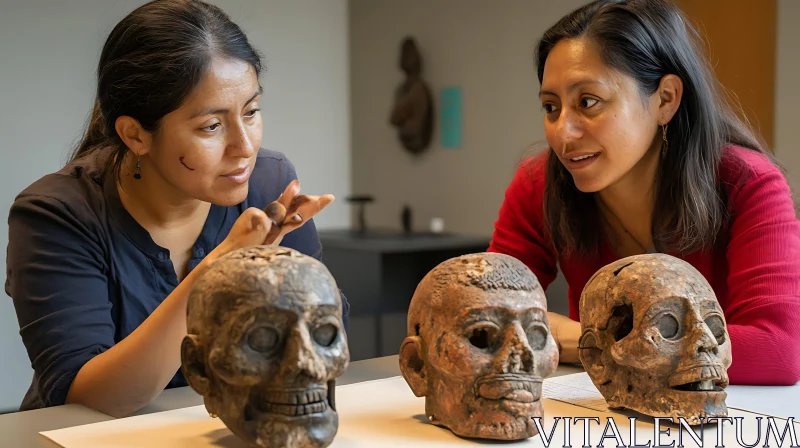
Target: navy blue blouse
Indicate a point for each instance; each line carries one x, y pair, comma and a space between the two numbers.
83, 274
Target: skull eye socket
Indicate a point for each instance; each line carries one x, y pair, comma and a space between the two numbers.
263, 339
481, 336
717, 327
325, 335
537, 337
621, 322
668, 326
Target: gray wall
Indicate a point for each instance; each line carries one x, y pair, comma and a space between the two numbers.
787, 90
486, 48
48, 56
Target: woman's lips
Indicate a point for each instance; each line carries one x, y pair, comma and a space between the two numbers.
580, 161
239, 176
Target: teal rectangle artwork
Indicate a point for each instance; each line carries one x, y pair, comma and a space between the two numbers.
451, 117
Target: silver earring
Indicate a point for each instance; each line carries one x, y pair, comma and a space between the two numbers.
138, 173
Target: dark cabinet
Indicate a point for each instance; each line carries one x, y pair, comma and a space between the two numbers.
378, 272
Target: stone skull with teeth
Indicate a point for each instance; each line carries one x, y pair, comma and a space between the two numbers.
265, 344
479, 346
654, 338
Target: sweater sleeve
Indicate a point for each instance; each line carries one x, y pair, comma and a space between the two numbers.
519, 229
763, 306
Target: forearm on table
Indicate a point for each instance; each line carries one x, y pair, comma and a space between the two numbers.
566, 332
129, 375
763, 355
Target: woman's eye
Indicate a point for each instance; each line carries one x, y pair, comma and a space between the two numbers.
253, 113
549, 108
212, 128
588, 102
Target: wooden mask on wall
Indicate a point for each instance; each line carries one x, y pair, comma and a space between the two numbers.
412, 113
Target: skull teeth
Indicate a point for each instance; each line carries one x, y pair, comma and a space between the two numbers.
294, 410
704, 386
294, 398
705, 378
291, 403
523, 385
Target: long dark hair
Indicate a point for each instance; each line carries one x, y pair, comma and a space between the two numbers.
150, 63
648, 39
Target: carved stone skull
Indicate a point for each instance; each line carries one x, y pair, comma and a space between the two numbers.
265, 343
654, 339
479, 346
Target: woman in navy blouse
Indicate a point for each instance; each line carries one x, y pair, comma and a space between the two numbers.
169, 177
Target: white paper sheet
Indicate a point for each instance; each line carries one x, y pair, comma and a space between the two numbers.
576, 389
775, 401
385, 413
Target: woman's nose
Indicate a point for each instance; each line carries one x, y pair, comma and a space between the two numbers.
240, 142
568, 128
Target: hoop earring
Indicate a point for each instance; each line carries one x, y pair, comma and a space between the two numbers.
138, 173
664, 138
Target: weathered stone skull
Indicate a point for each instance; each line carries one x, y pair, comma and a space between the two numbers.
479, 346
265, 343
654, 339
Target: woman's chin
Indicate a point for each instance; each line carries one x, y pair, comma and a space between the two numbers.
228, 197
587, 186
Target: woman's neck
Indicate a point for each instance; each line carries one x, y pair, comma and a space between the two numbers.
156, 204
630, 200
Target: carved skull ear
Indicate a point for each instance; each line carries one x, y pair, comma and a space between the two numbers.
412, 366
591, 355
194, 366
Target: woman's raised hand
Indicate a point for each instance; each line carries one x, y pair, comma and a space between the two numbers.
291, 210
268, 227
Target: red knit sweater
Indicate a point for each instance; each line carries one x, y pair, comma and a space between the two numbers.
755, 273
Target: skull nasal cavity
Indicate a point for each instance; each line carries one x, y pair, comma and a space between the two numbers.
621, 322
479, 338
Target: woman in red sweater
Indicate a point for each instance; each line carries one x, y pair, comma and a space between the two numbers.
646, 155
